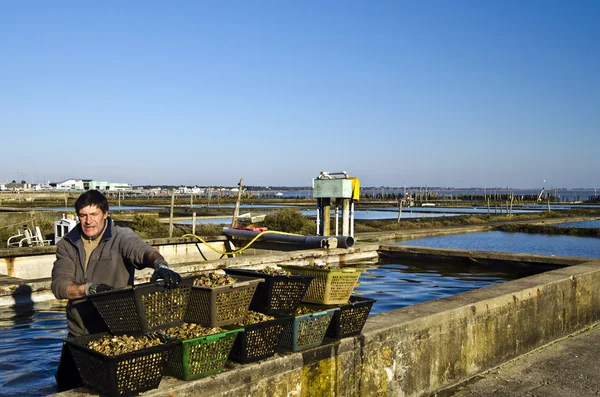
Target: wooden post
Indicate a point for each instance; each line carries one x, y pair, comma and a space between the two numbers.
236, 211
193, 223
171, 214
399, 210
66, 199
191, 201
119, 195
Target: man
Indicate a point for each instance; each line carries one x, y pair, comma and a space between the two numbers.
97, 256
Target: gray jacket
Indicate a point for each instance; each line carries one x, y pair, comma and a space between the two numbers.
112, 262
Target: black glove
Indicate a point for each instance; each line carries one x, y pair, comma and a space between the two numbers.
161, 271
93, 288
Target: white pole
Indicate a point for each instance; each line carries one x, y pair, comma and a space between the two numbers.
318, 220
345, 217
337, 212
352, 219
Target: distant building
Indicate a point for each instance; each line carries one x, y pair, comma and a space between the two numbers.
89, 184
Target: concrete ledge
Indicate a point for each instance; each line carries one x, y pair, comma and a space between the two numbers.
424, 254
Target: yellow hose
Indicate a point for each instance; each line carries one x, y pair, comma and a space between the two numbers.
244, 247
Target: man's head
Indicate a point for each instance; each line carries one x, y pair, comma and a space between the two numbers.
92, 210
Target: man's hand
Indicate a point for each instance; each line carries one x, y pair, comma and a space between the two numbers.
161, 271
93, 288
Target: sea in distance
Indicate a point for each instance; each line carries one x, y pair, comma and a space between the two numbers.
565, 195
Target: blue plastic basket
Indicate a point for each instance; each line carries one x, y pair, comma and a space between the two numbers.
307, 330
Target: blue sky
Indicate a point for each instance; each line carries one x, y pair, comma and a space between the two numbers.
428, 93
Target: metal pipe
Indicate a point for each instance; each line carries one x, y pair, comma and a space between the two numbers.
304, 241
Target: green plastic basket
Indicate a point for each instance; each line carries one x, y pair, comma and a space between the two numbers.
307, 330
329, 286
198, 357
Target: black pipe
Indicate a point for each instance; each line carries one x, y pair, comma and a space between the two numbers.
305, 241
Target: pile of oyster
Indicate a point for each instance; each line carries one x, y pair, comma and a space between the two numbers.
302, 310
317, 266
273, 271
188, 331
111, 345
253, 317
213, 279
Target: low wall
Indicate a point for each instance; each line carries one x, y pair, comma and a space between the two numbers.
421, 349
36, 263
36, 287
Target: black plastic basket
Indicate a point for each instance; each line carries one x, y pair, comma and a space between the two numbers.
307, 330
198, 357
258, 341
223, 305
142, 308
351, 318
123, 375
278, 294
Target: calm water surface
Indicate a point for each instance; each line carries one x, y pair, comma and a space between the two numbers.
525, 243
591, 224
30, 344
396, 285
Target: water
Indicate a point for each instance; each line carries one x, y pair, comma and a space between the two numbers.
378, 215
525, 243
30, 343
590, 224
358, 215
462, 210
396, 285
113, 208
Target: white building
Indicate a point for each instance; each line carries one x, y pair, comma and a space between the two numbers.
88, 184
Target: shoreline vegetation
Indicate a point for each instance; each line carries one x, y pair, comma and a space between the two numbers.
24, 210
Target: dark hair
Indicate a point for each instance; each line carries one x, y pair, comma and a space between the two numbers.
93, 198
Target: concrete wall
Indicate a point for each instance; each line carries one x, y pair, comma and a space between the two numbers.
421, 349
32, 263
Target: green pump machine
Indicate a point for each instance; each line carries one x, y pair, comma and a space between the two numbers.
335, 189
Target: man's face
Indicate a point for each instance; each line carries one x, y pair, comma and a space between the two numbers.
92, 220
